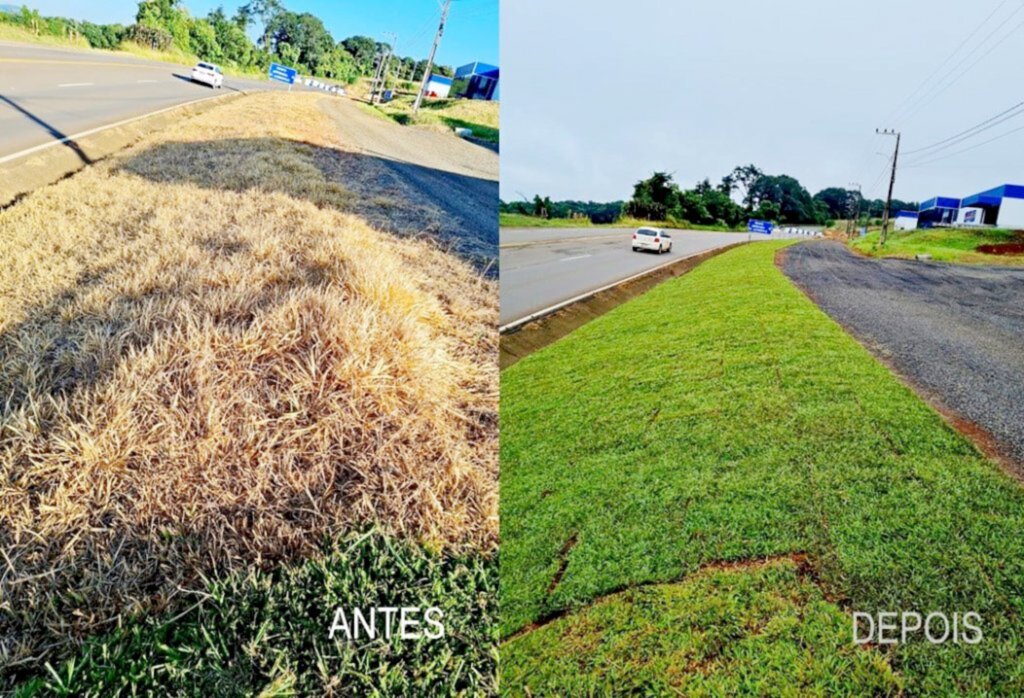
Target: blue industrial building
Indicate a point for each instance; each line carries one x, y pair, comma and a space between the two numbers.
938, 210
476, 81
1001, 206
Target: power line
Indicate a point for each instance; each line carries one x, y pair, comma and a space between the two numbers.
941, 65
973, 130
964, 150
946, 84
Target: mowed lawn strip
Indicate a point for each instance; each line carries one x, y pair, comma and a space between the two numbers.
723, 416
763, 629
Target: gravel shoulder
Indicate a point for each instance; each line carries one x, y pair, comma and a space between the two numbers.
456, 182
955, 332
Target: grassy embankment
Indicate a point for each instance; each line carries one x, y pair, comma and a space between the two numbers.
479, 116
718, 422
519, 220
10, 32
212, 364
947, 245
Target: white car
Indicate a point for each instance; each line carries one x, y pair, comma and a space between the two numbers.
208, 74
652, 239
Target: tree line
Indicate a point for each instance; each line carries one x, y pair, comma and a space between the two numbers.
746, 192
299, 40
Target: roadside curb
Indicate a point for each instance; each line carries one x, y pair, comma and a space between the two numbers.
532, 317
522, 337
41, 165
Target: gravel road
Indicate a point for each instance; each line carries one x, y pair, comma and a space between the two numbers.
955, 331
454, 181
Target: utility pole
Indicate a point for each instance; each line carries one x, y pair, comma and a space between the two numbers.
376, 77
855, 221
378, 89
892, 181
433, 50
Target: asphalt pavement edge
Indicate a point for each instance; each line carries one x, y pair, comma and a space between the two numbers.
24, 172
522, 337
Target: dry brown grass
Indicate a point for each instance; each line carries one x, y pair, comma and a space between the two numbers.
212, 362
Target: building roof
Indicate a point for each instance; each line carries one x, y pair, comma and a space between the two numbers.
940, 202
440, 79
994, 196
477, 68
906, 214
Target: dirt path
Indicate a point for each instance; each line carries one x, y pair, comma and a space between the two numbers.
956, 332
453, 182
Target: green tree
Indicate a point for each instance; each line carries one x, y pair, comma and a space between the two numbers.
740, 181
235, 46
363, 50
266, 11
203, 40
654, 197
837, 201
169, 16
309, 44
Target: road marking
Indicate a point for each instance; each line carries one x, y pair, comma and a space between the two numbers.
76, 84
57, 62
579, 256
83, 134
587, 294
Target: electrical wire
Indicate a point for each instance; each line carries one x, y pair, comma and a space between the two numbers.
921, 163
973, 130
906, 102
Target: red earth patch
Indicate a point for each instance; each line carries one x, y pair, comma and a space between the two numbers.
1006, 248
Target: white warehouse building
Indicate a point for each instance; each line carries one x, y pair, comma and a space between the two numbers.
1002, 206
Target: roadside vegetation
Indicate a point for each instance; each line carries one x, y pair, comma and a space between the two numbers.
211, 363
265, 633
165, 30
479, 116
965, 246
721, 420
745, 193
520, 220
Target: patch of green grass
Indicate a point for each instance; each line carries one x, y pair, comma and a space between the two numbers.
723, 416
519, 220
764, 630
445, 114
943, 244
12, 32
266, 633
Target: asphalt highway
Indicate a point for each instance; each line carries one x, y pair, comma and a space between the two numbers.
541, 267
956, 331
47, 94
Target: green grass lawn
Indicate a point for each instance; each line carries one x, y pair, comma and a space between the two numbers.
765, 631
723, 417
266, 634
479, 116
943, 244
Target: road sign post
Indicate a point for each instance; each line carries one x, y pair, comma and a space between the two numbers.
283, 73
760, 227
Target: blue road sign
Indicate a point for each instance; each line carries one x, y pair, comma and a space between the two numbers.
763, 227
282, 73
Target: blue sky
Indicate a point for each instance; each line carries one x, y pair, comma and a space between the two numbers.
598, 95
470, 35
